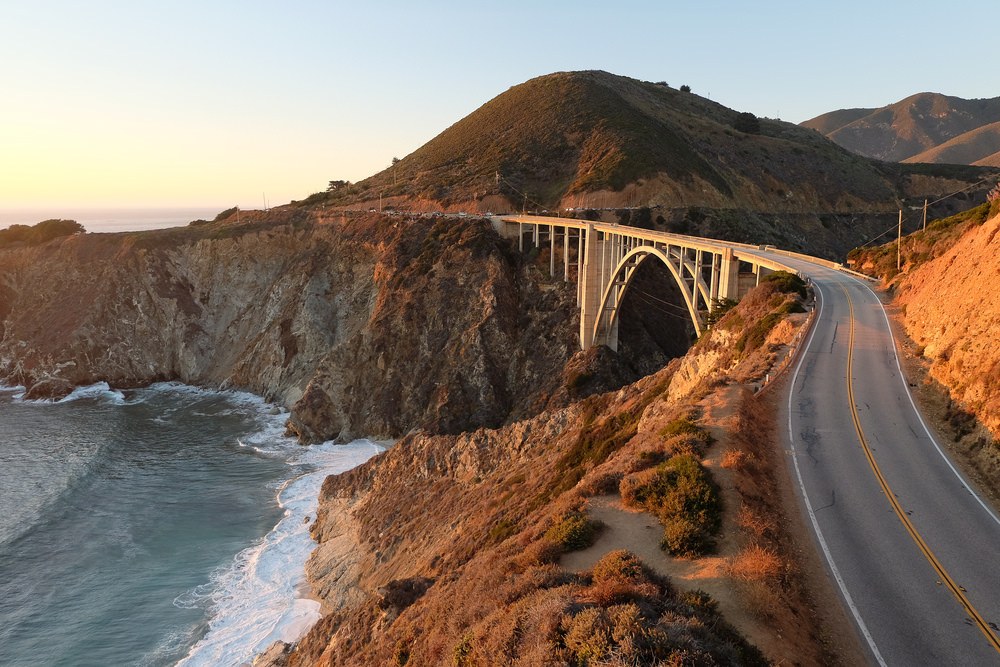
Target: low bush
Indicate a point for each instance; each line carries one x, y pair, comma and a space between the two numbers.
620, 565
755, 335
573, 530
755, 563
686, 500
502, 530
698, 438
787, 282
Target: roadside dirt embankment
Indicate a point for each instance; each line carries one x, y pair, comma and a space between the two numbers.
363, 326
483, 548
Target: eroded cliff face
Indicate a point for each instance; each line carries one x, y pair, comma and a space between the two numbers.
440, 547
952, 310
363, 326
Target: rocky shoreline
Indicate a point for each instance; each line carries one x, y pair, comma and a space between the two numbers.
341, 321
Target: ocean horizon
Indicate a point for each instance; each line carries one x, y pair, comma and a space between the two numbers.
111, 219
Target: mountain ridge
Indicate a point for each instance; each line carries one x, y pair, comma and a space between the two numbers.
592, 139
910, 129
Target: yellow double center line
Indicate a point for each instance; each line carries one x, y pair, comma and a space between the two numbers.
956, 590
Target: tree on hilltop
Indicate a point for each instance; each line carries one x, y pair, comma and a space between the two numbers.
747, 123
40, 233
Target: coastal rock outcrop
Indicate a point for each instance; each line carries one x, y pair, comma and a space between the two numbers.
366, 325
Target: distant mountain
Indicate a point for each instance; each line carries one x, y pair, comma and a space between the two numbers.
978, 146
910, 130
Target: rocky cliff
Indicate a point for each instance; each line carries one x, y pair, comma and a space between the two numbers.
946, 293
450, 550
953, 313
363, 326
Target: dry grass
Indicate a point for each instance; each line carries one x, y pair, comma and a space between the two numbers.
758, 524
755, 563
733, 459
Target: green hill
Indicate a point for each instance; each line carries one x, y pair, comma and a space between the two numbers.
595, 140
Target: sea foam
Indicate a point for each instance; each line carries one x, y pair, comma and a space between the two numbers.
98, 390
256, 600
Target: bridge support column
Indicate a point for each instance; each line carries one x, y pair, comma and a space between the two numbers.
552, 251
591, 285
565, 254
729, 276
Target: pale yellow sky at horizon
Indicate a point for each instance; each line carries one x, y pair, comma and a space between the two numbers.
112, 103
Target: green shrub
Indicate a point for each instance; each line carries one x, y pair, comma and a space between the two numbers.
791, 306
719, 309
573, 531
462, 654
747, 123
503, 529
620, 565
699, 438
588, 635
226, 214
577, 379
40, 233
787, 282
686, 500
757, 333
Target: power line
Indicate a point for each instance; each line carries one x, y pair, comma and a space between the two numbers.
969, 187
665, 303
502, 178
906, 218
643, 298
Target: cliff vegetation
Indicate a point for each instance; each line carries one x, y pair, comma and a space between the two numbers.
947, 305
466, 549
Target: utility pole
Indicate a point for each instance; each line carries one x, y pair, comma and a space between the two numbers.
925, 215
899, 243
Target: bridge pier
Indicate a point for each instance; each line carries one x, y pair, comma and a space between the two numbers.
607, 256
591, 285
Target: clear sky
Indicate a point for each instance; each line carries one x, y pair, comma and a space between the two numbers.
216, 103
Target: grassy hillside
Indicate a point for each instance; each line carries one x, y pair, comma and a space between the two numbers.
989, 161
908, 128
597, 140
835, 120
972, 147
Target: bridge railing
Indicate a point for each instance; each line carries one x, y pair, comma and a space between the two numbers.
686, 239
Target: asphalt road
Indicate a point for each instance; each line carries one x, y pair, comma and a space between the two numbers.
915, 553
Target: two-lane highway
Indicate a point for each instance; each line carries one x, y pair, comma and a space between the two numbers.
914, 551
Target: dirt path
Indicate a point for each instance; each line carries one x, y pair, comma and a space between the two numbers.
795, 620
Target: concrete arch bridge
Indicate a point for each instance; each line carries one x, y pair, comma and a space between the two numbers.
607, 255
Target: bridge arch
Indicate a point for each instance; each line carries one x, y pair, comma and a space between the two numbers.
606, 324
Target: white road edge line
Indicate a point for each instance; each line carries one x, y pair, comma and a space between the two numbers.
909, 395
809, 509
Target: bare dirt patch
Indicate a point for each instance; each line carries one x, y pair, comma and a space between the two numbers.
764, 573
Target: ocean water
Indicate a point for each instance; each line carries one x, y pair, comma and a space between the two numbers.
110, 219
160, 526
